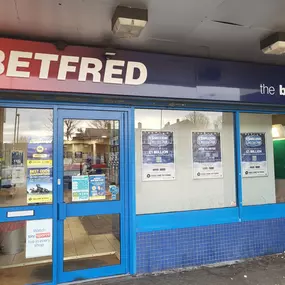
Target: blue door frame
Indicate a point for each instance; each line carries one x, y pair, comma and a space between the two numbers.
57, 211
93, 208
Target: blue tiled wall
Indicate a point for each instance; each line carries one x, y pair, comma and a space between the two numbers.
178, 248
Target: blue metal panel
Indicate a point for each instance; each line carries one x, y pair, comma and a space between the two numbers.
93, 208
176, 220
40, 212
261, 212
55, 198
132, 191
238, 162
92, 273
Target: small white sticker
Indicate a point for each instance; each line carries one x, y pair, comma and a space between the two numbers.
20, 214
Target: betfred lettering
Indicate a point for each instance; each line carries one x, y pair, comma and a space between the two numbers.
19, 64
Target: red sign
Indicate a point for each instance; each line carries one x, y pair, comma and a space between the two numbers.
36, 66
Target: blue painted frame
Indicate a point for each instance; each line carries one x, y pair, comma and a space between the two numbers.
93, 208
203, 217
153, 222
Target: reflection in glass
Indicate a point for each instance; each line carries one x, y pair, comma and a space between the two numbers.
91, 160
188, 190
25, 156
91, 242
262, 158
25, 257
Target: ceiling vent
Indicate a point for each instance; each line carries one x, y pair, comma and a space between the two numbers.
274, 44
129, 22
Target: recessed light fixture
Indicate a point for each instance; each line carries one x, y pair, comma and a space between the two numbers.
129, 22
274, 44
277, 131
104, 137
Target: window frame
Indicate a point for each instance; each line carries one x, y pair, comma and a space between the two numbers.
204, 217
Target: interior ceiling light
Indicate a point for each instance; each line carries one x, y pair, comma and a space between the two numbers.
277, 131
274, 44
129, 22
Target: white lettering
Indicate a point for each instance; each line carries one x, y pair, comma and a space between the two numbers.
110, 70
281, 90
64, 66
14, 63
45, 59
94, 70
132, 65
2, 58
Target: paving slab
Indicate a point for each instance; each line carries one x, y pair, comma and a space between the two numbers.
268, 270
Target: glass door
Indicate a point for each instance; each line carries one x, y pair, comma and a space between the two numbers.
91, 183
26, 196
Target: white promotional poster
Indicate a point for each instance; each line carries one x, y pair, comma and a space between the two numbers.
207, 155
18, 175
157, 156
39, 238
253, 155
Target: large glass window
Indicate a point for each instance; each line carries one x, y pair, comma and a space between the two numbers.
25, 156
262, 158
184, 160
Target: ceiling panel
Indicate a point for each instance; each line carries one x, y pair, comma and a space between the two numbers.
267, 14
175, 26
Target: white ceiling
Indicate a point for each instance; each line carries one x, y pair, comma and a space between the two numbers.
175, 26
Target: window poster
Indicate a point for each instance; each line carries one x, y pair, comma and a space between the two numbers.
97, 187
18, 175
207, 156
253, 155
80, 188
17, 158
39, 152
39, 170
157, 156
39, 185
39, 238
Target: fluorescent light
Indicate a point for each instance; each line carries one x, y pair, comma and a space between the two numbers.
104, 137
277, 131
129, 22
274, 44
276, 48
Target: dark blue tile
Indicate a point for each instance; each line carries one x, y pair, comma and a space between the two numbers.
178, 248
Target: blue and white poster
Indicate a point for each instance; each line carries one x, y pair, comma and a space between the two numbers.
157, 156
80, 188
253, 155
97, 186
39, 153
207, 156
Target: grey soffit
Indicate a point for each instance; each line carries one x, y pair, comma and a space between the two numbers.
227, 29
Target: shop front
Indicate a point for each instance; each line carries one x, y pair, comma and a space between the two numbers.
136, 163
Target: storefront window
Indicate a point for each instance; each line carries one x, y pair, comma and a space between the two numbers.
262, 158
25, 156
184, 160
23, 259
